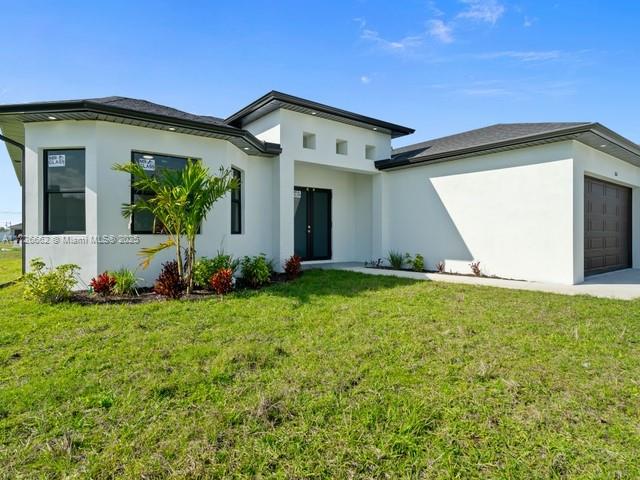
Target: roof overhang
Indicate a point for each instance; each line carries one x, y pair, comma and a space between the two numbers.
275, 100
13, 118
594, 135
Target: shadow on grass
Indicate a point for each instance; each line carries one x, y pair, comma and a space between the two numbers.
326, 282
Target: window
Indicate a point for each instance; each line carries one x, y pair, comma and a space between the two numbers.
341, 147
369, 152
64, 207
309, 140
144, 222
236, 204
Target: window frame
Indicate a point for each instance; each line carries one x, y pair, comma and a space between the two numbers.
45, 186
370, 148
342, 144
237, 201
308, 140
133, 192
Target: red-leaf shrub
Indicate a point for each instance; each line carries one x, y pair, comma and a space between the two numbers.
103, 284
222, 281
169, 283
292, 267
475, 268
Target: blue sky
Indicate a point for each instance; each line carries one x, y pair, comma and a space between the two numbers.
437, 66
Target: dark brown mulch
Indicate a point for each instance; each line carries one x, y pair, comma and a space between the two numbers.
146, 295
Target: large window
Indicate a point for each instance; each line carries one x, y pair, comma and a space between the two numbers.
236, 204
64, 209
152, 163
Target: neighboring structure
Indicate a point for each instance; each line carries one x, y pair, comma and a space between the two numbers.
540, 201
16, 231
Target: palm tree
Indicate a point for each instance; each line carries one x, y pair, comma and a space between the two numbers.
180, 201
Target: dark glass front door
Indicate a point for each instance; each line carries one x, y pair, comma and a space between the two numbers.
312, 223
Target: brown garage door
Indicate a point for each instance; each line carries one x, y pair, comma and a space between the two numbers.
607, 226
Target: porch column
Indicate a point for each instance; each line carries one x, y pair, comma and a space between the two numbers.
283, 238
379, 243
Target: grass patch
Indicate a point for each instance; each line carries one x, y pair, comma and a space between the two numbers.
337, 375
10, 264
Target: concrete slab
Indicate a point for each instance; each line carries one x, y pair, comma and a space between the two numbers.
622, 285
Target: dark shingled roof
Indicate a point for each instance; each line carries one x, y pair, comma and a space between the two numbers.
144, 106
480, 137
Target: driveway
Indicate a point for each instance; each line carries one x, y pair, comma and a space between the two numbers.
622, 284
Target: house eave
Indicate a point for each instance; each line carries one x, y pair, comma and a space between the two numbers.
593, 135
275, 100
87, 110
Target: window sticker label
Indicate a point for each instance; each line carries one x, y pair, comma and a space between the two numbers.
56, 161
148, 164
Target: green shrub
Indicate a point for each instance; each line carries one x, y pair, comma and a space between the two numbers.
397, 260
205, 268
126, 282
51, 285
418, 263
256, 271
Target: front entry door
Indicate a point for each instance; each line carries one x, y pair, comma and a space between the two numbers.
312, 224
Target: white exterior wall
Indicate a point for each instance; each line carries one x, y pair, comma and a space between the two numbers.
109, 143
53, 250
322, 167
519, 213
351, 209
594, 163
511, 211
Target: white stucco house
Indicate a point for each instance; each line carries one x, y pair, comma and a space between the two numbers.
541, 201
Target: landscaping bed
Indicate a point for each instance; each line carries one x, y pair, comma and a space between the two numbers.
147, 294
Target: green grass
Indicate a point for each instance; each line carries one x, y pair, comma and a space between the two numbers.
338, 375
10, 263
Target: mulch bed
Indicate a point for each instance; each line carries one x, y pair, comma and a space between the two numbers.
146, 294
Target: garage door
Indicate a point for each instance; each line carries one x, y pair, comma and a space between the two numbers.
607, 226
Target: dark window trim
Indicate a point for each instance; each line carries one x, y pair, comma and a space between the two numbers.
132, 191
45, 186
237, 202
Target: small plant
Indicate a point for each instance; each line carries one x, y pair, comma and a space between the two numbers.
52, 286
397, 260
475, 268
374, 263
126, 282
103, 284
418, 263
169, 283
222, 281
256, 271
292, 267
205, 268
440, 266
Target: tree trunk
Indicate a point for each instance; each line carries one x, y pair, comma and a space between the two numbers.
191, 256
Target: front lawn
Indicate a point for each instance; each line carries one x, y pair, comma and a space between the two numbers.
337, 375
10, 263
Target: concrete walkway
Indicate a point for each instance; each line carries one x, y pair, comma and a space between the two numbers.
622, 285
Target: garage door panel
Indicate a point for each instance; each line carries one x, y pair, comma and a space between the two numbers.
607, 234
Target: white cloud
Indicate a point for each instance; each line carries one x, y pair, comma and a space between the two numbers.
433, 8
402, 45
441, 31
528, 22
488, 11
525, 56
365, 79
